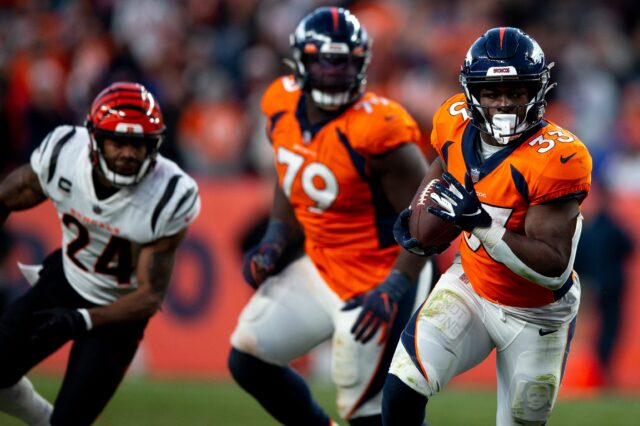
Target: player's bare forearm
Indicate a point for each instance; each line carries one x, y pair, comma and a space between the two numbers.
547, 246
155, 266
20, 190
283, 211
400, 172
410, 264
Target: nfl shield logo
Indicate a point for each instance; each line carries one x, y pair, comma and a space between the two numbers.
475, 175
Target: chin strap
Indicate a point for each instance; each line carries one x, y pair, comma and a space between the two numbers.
122, 181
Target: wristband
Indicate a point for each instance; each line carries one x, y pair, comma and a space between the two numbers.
490, 236
277, 233
87, 318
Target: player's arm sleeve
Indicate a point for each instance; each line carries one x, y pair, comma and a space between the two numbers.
272, 105
558, 181
494, 244
44, 158
178, 207
389, 129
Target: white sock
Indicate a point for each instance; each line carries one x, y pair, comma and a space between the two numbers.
22, 401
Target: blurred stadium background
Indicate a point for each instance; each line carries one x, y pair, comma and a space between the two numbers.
208, 62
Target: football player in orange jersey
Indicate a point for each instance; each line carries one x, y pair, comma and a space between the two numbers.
513, 182
347, 162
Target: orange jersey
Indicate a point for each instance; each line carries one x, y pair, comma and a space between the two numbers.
547, 164
324, 171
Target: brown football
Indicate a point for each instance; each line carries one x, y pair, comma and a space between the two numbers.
427, 228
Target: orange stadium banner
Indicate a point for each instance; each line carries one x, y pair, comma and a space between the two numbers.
190, 336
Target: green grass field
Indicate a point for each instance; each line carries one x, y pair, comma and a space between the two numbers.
157, 403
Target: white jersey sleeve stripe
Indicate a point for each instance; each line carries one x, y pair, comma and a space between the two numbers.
191, 193
53, 162
168, 193
45, 143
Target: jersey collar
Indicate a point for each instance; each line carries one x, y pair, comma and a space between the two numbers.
310, 131
476, 167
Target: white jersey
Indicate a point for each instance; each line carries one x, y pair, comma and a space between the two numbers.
101, 239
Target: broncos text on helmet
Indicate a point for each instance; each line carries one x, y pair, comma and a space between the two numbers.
502, 56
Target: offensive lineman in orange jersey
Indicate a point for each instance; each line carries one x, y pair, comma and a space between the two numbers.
513, 182
346, 163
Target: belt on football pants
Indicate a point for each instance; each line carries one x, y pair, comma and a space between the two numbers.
559, 293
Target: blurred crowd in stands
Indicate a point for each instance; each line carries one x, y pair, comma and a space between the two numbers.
208, 61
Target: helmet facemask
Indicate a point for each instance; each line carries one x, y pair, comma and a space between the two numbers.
333, 79
106, 167
124, 112
506, 56
513, 120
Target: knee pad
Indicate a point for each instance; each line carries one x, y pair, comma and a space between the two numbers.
244, 336
403, 367
344, 360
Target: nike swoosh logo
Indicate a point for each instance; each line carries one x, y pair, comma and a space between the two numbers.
565, 159
476, 213
545, 331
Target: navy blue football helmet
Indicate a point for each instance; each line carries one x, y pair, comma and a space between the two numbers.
331, 52
501, 56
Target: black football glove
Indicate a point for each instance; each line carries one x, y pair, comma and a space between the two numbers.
379, 306
58, 324
403, 237
260, 262
459, 204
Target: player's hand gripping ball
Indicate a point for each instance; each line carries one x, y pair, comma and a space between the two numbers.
428, 229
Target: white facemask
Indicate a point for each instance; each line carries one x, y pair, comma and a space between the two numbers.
503, 127
330, 101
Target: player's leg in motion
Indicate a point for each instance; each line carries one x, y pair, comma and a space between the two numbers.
359, 370
529, 374
18, 353
280, 390
401, 404
444, 338
282, 321
96, 366
18, 398
22, 401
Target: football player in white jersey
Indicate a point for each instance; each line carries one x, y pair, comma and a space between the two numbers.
124, 209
